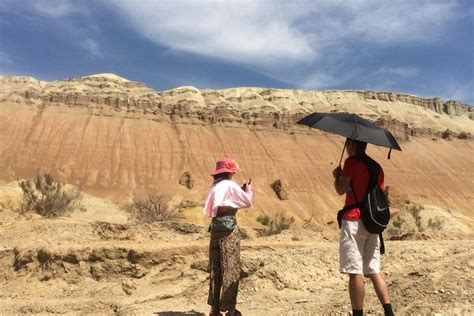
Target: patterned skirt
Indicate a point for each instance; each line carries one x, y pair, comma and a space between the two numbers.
224, 266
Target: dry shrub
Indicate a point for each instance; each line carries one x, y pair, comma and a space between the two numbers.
276, 224
264, 219
435, 224
47, 197
415, 212
151, 209
397, 226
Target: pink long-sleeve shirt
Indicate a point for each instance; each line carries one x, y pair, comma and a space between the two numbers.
227, 193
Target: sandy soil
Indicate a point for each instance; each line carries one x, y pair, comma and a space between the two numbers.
82, 264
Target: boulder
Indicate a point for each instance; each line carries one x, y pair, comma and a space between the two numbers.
187, 180
447, 134
281, 188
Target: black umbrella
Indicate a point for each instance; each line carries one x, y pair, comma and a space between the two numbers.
351, 126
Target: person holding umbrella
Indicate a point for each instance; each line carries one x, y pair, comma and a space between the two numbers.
359, 250
224, 199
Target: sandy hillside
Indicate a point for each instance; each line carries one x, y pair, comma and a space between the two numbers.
114, 139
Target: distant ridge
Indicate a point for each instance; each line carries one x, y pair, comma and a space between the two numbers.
277, 108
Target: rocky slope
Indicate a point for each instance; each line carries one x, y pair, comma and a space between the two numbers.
117, 138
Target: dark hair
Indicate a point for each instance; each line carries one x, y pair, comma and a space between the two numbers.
222, 176
360, 146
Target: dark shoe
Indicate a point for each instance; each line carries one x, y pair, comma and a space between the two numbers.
237, 313
215, 313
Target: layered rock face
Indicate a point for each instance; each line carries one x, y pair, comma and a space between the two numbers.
117, 138
277, 108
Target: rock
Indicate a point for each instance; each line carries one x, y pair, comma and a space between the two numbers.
415, 273
134, 256
371, 95
449, 108
202, 265
183, 228
280, 186
438, 105
23, 257
248, 233
97, 271
447, 134
250, 266
187, 180
383, 97
128, 287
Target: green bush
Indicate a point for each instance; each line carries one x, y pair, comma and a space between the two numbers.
151, 209
47, 197
415, 212
264, 220
397, 226
435, 224
276, 224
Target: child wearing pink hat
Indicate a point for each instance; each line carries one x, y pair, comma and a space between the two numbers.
224, 199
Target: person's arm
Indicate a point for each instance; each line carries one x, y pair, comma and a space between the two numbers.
241, 198
341, 182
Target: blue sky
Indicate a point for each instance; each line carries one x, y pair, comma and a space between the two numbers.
418, 47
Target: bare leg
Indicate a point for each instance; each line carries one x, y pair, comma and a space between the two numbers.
356, 291
380, 287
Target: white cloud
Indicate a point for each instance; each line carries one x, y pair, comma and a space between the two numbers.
251, 32
68, 17
401, 72
304, 43
91, 46
267, 33
398, 20
321, 80
57, 8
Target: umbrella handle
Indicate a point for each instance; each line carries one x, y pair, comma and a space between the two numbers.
342, 154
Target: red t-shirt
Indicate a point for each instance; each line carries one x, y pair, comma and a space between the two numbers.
356, 170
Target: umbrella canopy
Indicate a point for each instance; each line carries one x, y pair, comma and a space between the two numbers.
351, 126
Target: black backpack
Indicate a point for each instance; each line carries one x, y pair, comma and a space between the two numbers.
375, 212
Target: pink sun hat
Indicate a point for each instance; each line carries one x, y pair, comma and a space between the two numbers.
226, 164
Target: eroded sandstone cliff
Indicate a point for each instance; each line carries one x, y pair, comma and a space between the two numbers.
116, 138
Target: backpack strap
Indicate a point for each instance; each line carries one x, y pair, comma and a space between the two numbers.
382, 245
373, 168
349, 207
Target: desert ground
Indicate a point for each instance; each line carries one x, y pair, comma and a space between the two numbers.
97, 261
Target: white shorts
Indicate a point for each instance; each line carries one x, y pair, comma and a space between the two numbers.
359, 250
